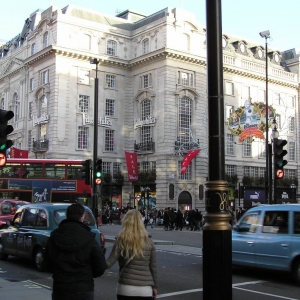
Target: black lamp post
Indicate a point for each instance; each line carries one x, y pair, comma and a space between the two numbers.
95, 61
266, 34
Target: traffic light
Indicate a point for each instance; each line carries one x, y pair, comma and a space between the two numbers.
86, 170
98, 171
279, 162
5, 129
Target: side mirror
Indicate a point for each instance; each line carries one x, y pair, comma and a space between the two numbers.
236, 228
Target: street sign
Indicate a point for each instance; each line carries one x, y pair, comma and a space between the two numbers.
2, 159
279, 174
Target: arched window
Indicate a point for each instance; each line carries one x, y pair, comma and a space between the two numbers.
145, 45
46, 39
185, 119
43, 105
111, 47
145, 114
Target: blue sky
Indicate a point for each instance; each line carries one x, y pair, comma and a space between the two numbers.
241, 18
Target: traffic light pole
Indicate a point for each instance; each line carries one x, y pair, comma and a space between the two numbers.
95, 151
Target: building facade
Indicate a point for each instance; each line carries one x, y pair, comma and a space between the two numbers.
152, 98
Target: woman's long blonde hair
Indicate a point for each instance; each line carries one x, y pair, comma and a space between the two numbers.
133, 239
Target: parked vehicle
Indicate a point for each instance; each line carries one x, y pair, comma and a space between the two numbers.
8, 208
268, 236
31, 227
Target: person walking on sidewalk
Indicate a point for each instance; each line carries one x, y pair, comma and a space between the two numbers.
135, 252
74, 257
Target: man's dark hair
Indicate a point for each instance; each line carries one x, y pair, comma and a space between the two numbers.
75, 212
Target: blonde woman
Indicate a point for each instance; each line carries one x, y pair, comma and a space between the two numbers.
135, 252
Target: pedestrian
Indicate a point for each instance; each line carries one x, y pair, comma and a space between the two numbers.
109, 216
167, 220
135, 252
74, 257
179, 220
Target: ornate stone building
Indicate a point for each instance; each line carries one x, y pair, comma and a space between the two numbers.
152, 96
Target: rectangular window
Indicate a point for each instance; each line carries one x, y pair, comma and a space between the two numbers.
275, 222
84, 103
116, 169
145, 166
291, 151
246, 92
55, 171
109, 140
262, 152
31, 84
291, 101
33, 49
292, 124
111, 81
247, 147
229, 144
185, 78
30, 110
106, 166
261, 95
230, 170
45, 77
145, 81
289, 173
276, 99
29, 139
110, 107
254, 171
83, 135
278, 121
187, 175
84, 77
229, 88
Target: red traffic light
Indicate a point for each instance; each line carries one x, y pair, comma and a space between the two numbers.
2, 159
279, 174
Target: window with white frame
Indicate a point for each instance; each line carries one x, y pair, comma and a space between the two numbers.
247, 147
106, 168
185, 78
145, 166
2, 105
230, 144
83, 76
29, 139
116, 169
31, 84
229, 88
84, 103
153, 166
85, 41
30, 107
291, 151
82, 137
109, 140
145, 114
261, 95
187, 175
46, 39
291, 101
262, 150
111, 81
16, 109
246, 92
289, 173
145, 135
230, 170
33, 49
185, 119
278, 121
111, 47
254, 171
110, 107
276, 99
292, 124
43, 105
145, 45
45, 77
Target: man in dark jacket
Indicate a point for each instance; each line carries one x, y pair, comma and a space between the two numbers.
74, 257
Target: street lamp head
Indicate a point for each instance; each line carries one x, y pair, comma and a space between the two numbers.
94, 61
265, 34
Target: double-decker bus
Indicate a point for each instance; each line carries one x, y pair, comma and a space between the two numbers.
44, 180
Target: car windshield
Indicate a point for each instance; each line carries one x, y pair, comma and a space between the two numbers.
60, 215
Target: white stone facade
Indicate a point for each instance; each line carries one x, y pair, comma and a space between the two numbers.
161, 59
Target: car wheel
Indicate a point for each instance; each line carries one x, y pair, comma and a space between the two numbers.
39, 259
296, 271
3, 256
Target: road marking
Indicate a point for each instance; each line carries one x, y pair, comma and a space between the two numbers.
37, 285
200, 290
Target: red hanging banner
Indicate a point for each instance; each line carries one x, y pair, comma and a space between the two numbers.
187, 159
132, 166
18, 153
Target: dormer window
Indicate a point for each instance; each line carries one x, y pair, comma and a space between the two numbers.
276, 57
260, 53
242, 47
224, 42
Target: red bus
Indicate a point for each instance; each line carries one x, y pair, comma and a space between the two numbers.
44, 180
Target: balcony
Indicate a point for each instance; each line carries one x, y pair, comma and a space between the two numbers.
144, 147
186, 146
40, 145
